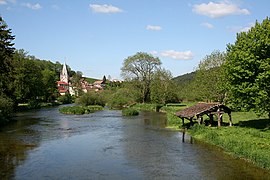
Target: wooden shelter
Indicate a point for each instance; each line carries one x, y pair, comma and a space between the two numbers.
208, 109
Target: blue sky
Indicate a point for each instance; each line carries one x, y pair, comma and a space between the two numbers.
95, 36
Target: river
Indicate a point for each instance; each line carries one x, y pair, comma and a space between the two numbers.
44, 144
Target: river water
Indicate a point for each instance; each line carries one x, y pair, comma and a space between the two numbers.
44, 144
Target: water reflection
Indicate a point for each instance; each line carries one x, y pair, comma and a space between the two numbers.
45, 144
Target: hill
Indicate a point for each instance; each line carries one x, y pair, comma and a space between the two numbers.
185, 78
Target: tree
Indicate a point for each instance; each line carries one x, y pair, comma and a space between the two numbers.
163, 89
76, 82
48, 80
6, 54
27, 78
209, 79
140, 68
248, 68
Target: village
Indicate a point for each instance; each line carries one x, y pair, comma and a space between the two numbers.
65, 86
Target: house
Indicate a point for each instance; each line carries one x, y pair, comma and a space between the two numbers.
65, 84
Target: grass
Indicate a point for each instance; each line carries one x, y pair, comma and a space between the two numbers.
80, 109
130, 112
248, 143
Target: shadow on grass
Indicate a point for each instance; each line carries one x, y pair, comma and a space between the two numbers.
263, 124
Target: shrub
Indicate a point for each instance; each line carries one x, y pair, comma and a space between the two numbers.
130, 112
122, 98
33, 104
91, 98
6, 109
66, 99
80, 109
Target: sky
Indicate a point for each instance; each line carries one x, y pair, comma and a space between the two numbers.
96, 36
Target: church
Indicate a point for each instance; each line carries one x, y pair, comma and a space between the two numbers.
64, 86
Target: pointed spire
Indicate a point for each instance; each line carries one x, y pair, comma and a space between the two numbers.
64, 74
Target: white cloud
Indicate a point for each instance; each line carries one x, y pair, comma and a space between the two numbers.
184, 55
104, 8
220, 9
32, 6
153, 28
207, 25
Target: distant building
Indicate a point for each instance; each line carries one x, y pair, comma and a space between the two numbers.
65, 85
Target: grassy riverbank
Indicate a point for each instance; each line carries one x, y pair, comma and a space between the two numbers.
248, 138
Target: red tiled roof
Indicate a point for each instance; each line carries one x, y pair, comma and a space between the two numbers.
62, 82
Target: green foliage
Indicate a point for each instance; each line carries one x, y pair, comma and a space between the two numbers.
66, 99
121, 98
254, 145
140, 68
6, 53
209, 79
130, 112
34, 104
80, 109
6, 109
248, 69
91, 98
162, 88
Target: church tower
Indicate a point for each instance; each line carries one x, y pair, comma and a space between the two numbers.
64, 74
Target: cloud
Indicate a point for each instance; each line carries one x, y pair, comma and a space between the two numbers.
220, 9
207, 25
153, 28
104, 8
36, 6
184, 55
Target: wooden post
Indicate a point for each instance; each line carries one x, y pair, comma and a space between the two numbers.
199, 119
230, 118
183, 121
191, 122
218, 114
211, 116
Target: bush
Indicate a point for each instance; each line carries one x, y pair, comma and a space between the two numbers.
130, 112
79, 109
122, 98
6, 109
91, 98
34, 104
66, 99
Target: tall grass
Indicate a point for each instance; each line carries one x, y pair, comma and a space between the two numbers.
247, 143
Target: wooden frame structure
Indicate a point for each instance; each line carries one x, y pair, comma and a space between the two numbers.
208, 109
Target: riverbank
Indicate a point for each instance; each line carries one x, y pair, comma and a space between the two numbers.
248, 138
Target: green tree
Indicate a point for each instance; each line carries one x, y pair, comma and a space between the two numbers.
76, 82
6, 54
49, 84
140, 69
27, 78
209, 82
248, 68
163, 89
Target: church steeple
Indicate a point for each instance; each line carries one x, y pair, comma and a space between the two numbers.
64, 74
